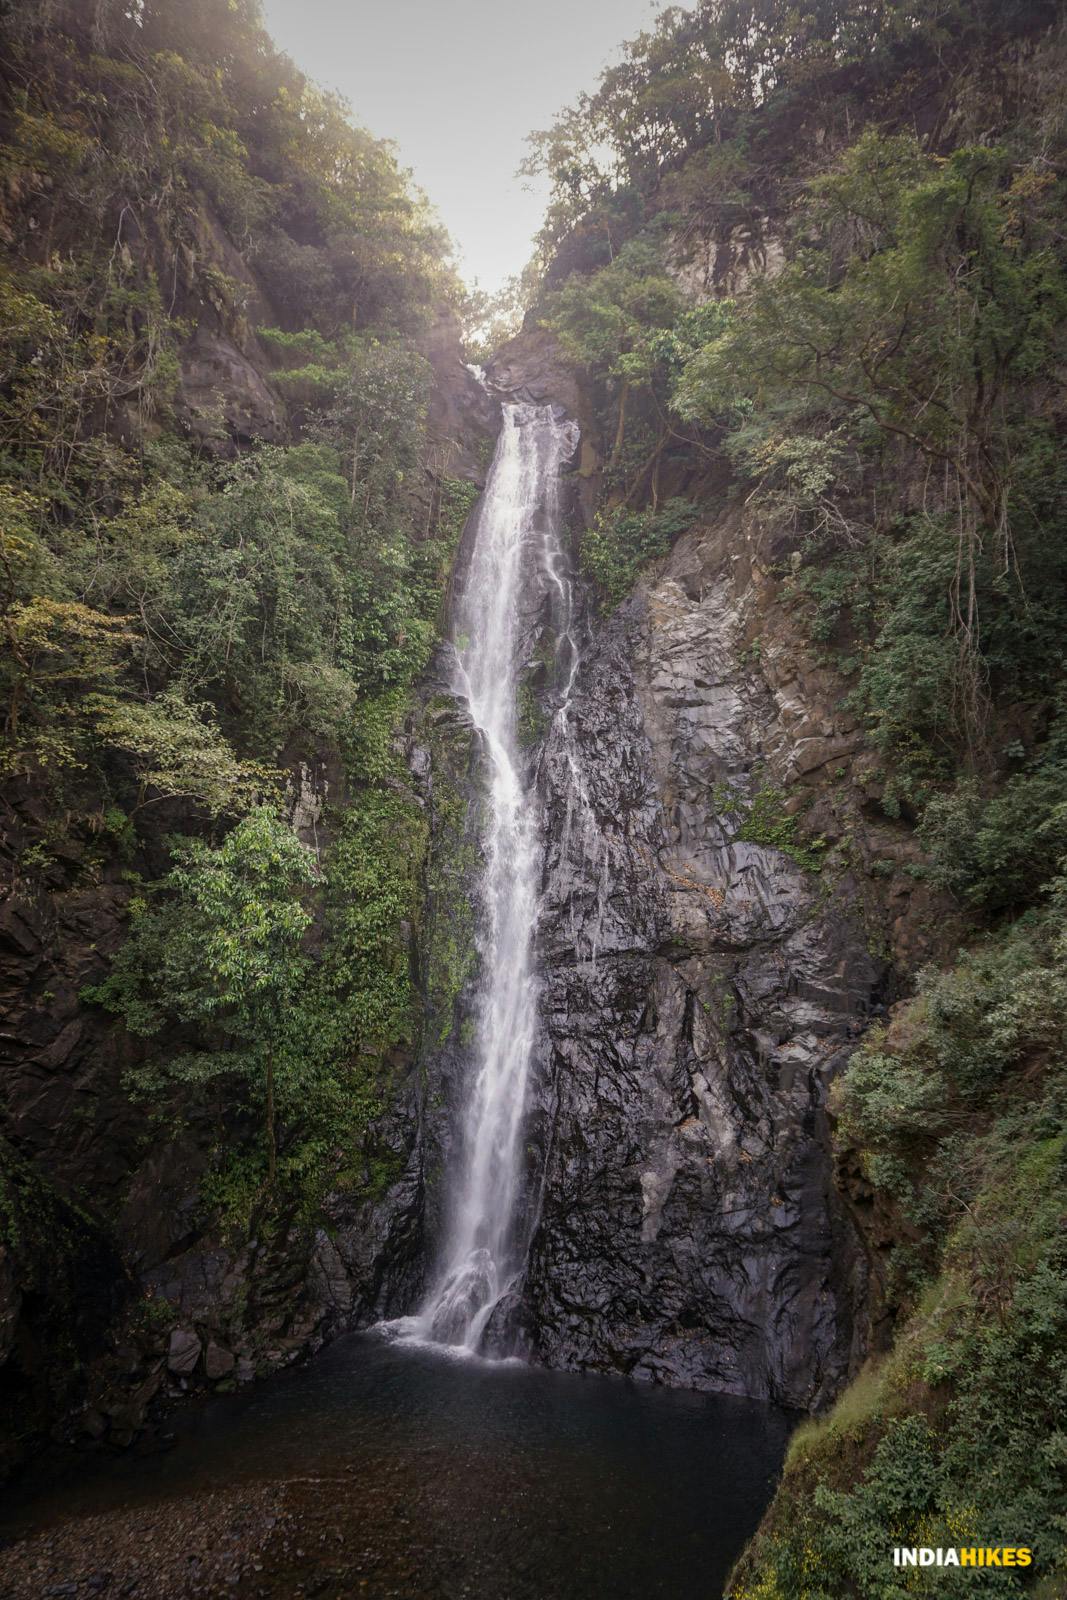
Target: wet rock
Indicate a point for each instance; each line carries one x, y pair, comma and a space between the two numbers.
463, 418
93, 1423
61, 1283
160, 1214
699, 993
531, 367
183, 1352
218, 1361
10, 1302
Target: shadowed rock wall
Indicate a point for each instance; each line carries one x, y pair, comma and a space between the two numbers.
700, 990
699, 995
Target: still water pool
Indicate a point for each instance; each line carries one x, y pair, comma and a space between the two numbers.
425, 1475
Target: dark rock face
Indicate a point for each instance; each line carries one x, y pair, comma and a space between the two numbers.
699, 993
225, 396
463, 419
530, 368
370, 1263
61, 1103
61, 1285
698, 997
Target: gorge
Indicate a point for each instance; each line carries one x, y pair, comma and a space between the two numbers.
532, 940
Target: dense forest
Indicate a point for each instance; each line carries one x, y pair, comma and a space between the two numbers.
226, 531
806, 266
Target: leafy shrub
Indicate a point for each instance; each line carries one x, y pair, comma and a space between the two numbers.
219, 954
621, 542
997, 850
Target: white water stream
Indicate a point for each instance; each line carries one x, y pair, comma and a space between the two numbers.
516, 539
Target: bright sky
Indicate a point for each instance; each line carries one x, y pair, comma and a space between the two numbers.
458, 85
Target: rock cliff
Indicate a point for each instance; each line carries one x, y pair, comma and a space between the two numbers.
700, 993
700, 990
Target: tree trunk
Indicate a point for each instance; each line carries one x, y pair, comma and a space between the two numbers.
620, 431
272, 1143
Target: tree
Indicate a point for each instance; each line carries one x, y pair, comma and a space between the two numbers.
178, 753
54, 649
219, 951
933, 296
609, 322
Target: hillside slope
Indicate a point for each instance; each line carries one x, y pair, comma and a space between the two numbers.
238, 445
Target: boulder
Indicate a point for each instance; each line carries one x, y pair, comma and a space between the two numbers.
218, 1361
183, 1352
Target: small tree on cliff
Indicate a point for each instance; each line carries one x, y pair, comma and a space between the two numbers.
220, 950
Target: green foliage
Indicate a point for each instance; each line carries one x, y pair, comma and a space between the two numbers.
456, 501
168, 107
912, 686
55, 649
275, 589
959, 1109
620, 543
609, 320
291, 1030
448, 936
306, 347
221, 948
1005, 1000
840, 596
705, 92
997, 849
628, 325
372, 875
932, 301
904, 341
764, 820
532, 718
177, 752
490, 320
175, 625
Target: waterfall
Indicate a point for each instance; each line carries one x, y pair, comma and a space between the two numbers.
516, 549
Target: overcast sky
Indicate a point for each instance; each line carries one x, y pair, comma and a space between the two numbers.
458, 85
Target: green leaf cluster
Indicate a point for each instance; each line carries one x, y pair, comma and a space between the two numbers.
620, 543
763, 819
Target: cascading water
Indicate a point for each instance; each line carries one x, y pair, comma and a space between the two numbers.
516, 543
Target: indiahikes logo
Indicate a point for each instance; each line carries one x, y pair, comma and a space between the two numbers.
1005, 1555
